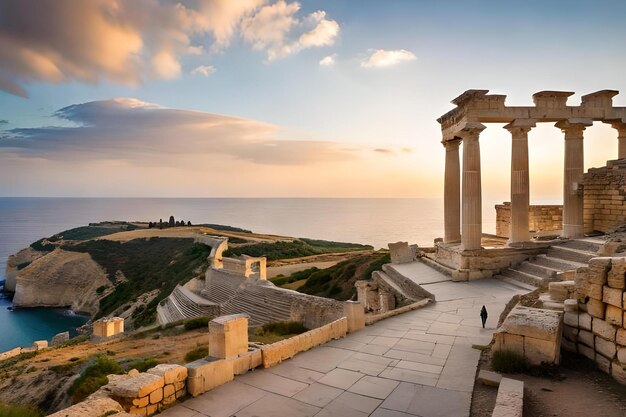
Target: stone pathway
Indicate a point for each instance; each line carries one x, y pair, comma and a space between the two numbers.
420, 363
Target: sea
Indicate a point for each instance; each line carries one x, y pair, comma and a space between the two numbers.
368, 221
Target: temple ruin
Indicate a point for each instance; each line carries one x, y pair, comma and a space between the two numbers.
461, 248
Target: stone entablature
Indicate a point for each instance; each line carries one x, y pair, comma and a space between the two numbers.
542, 219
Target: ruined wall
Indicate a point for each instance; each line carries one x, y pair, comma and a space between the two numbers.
594, 326
605, 192
541, 218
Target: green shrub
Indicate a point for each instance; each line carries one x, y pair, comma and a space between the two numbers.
101, 289
508, 362
197, 323
283, 328
294, 249
7, 410
142, 365
195, 354
93, 377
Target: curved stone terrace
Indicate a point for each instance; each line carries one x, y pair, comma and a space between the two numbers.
420, 363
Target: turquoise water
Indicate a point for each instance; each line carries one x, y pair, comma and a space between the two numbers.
370, 221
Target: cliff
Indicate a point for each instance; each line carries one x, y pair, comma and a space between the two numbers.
17, 262
59, 279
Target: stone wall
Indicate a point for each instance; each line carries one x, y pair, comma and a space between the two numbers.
541, 219
594, 322
37, 346
604, 196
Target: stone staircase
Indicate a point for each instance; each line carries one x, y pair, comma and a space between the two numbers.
540, 270
183, 304
262, 301
222, 286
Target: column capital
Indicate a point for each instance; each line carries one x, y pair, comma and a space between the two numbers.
620, 127
472, 131
520, 126
451, 144
573, 127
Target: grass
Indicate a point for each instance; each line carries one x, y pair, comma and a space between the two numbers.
197, 323
79, 234
93, 377
142, 365
195, 354
296, 276
508, 362
225, 228
294, 249
274, 332
148, 264
9, 410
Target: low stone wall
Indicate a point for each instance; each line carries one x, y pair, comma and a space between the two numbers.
275, 353
541, 218
373, 318
594, 326
604, 197
93, 407
510, 399
37, 346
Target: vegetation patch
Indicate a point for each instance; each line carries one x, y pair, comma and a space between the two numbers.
93, 377
297, 248
195, 354
148, 264
508, 362
225, 228
8, 410
274, 332
142, 365
197, 323
296, 276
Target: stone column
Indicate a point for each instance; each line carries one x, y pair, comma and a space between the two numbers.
621, 139
573, 223
452, 193
520, 196
472, 197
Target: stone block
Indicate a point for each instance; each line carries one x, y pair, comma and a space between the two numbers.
570, 319
507, 341
170, 373
91, 407
354, 312
228, 336
588, 352
585, 338
489, 378
137, 387
598, 269
603, 329
614, 315
538, 351
156, 396
181, 393
570, 333
169, 390
141, 402
603, 363
618, 372
510, 399
596, 308
594, 291
10, 353
615, 277
60, 338
40, 344
605, 347
206, 374
401, 252
620, 337
533, 322
621, 355
570, 305
584, 321
568, 345
612, 296
246, 361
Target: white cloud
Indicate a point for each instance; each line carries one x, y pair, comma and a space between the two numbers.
205, 70
384, 58
328, 61
128, 42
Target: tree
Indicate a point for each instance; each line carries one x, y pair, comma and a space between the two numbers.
160, 223
188, 223
172, 221
150, 225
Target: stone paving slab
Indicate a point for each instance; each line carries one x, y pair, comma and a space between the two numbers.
420, 273
420, 363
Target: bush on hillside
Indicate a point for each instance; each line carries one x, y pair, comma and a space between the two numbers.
195, 354
93, 377
11, 410
197, 323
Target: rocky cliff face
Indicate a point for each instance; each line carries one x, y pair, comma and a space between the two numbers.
60, 279
17, 262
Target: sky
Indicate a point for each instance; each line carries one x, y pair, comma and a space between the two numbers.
281, 98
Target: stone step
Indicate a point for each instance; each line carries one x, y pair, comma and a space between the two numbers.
388, 281
539, 270
516, 283
524, 277
570, 254
586, 245
556, 263
550, 304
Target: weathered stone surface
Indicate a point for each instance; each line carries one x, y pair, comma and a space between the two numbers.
533, 322
169, 390
510, 399
618, 372
584, 321
10, 353
587, 352
603, 329
570, 319
206, 374
538, 351
401, 252
570, 333
355, 314
596, 308
586, 338
614, 315
489, 378
598, 269
595, 291
90, 407
228, 336
570, 305
605, 347
603, 363
620, 337
507, 341
40, 344
137, 387
170, 373
615, 277
156, 396
612, 296
621, 355
60, 338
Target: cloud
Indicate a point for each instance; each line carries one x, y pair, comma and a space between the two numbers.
277, 30
205, 70
383, 150
4, 122
128, 129
328, 61
128, 42
384, 58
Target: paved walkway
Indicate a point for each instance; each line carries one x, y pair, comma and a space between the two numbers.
420, 363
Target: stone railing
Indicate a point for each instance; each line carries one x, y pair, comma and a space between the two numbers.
594, 323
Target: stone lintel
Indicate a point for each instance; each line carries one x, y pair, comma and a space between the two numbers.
469, 95
521, 123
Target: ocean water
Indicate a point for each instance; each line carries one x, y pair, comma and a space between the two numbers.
369, 221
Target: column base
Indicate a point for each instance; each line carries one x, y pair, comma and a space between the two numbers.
573, 231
